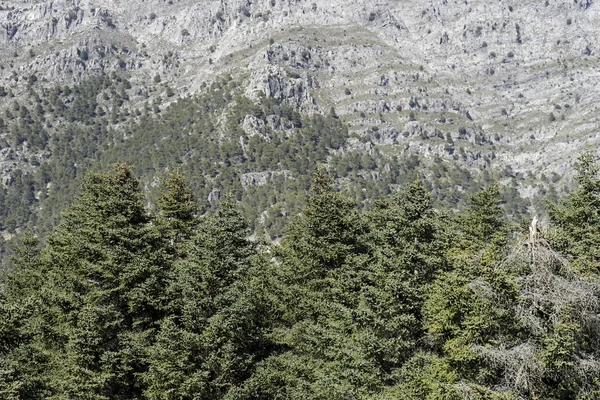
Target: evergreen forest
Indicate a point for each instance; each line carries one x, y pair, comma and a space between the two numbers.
144, 292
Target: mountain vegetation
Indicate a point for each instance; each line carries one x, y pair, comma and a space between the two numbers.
401, 299
263, 152
276, 199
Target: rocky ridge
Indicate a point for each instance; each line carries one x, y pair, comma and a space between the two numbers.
508, 81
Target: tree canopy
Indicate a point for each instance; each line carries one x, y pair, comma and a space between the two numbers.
402, 300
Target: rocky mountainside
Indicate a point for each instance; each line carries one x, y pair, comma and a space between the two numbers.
504, 84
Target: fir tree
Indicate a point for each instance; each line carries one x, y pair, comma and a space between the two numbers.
409, 244
577, 218
23, 360
177, 211
471, 303
482, 231
324, 349
107, 283
215, 333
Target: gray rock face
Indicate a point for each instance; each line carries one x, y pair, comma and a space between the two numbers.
416, 70
261, 178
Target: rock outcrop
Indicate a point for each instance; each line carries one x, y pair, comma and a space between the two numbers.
522, 72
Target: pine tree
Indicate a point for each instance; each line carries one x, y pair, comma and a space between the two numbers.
471, 303
482, 231
410, 233
107, 283
577, 218
409, 243
324, 351
25, 277
327, 233
177, 211
216, 331
22, 306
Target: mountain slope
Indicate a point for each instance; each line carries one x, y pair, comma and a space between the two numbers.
502, 90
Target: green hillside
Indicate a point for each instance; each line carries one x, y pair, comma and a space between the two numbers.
263, 152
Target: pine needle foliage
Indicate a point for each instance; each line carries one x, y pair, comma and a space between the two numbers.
400, 301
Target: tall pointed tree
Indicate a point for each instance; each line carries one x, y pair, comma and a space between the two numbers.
178, 211
409, 242
328, 231
577, 218
107, 284
22, 306
482, 231
471, 303
26, 274
209, 343
323, 350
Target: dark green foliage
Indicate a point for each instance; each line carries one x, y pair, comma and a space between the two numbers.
178, 211
409, 232
398, 301
102, 290
577, 218
108, 279
483, 230
328, 232
324, 349
350, 293
409, 241
471, 303
22, 357
216, 327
